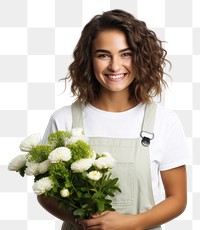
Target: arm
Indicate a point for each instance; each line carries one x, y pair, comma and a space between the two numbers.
52, 206
175, 186
174, 181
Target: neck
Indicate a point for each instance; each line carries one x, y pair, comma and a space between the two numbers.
114, 103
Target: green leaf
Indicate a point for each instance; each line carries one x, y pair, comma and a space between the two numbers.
84, 189
87, 196
110, 194
22, 171
39, 176
98, 194
79, 212
100, 205
113, 182
79, 194
68, 183
85, 206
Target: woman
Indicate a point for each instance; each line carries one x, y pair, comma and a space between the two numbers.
117, 71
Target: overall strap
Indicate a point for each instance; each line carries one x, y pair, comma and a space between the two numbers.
77, 118
148, 124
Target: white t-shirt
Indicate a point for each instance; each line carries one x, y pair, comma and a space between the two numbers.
167, 150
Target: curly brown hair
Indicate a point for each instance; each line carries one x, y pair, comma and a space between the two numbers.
148, 58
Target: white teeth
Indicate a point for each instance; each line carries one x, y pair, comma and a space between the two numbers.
115, 76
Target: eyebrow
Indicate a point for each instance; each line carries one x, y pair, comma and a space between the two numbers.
108, 52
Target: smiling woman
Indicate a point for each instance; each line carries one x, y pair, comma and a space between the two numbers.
118, 68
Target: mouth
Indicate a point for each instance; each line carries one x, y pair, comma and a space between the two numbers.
115, 76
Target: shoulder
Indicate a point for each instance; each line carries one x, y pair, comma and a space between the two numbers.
166, 116
167, 125
62, 118
166, 112
61, 113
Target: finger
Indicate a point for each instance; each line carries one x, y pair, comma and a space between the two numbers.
105, 212
95, 215
86, 223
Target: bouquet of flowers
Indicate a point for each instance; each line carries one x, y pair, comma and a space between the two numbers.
68, 169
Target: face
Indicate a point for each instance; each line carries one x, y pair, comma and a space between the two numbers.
112, 61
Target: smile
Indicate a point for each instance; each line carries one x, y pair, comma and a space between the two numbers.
115, 76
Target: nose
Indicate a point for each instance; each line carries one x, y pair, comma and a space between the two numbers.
114, 64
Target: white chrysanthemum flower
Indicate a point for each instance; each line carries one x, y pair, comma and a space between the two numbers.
32, 169
17, 163
64, 192
60, 154
104, 154
31, 141
43, 185
94, 175
44, 166
82, 165
77, 132
104, 163
74, 139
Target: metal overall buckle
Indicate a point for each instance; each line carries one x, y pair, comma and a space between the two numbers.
146, 138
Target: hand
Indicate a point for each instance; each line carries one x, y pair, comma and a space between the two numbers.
108, 220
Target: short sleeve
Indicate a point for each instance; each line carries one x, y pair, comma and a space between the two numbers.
60, 120
175, 147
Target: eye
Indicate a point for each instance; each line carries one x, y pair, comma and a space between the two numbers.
103, 56
127, 54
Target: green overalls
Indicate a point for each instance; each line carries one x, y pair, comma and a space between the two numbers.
132, 165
